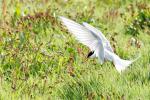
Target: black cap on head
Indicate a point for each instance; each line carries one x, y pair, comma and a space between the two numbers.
90, 54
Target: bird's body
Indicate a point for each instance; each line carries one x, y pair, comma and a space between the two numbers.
97, 42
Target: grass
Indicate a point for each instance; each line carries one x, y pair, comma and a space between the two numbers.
39, 59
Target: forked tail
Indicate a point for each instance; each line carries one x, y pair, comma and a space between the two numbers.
122, 64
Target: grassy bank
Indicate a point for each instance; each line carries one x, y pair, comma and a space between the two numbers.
39, 59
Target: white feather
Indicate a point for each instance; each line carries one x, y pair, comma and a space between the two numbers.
119, 63
97, 42
106, 43
85, 36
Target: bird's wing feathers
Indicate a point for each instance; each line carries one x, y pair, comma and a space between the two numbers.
100, 34
100, 53
85, 36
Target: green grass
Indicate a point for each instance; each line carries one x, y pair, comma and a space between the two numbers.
39, 59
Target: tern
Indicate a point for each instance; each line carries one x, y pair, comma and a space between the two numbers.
93, 38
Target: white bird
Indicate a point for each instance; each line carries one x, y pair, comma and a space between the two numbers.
93, 38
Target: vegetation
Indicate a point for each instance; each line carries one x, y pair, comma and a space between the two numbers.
39, 59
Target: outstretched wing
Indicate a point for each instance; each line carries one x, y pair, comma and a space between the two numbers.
85, 36
106, 43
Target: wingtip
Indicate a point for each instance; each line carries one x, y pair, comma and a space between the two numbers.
84, 23
61, 17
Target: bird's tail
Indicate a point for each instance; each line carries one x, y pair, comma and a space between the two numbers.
122, 64
137, 58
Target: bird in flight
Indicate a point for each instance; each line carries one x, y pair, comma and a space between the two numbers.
93, 38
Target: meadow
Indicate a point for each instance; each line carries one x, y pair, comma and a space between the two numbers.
41, 60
